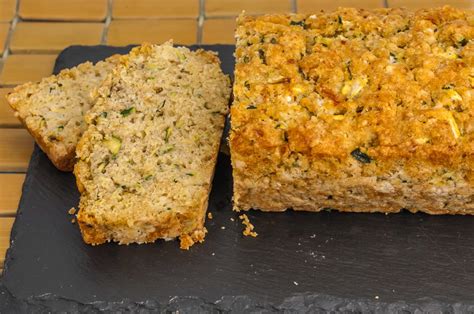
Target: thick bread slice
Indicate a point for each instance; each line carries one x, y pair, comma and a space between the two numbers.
52, 110
147, 158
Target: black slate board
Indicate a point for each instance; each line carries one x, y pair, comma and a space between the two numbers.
299, 262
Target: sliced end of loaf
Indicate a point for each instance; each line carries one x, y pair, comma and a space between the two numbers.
52, 110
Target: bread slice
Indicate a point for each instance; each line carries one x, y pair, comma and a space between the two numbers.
355, 110
147, 159
52, 110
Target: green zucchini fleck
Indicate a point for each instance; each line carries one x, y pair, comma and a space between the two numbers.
348, 67
42, 123
251, 107
167, 134
393, 56
148, 177
61, 127
180, 56
168, 149
261, 54
113, 144
327, 209
339, 20
127, 111
463, 42
360, 156
159, 108
101, 166
301, 23
190, 174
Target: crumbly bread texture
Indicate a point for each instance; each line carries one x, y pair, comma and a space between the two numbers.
52, 110
355, 110
147, 159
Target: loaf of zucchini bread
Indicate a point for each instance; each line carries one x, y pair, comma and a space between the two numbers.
146, 162
52, 110
355, 110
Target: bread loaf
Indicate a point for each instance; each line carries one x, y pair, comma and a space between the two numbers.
355, 110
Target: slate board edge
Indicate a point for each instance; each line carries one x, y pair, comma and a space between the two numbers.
300, 302
18, 216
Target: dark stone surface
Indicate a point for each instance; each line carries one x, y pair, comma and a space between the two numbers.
300, 262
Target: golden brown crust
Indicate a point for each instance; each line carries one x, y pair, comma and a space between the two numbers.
60, 161
92, 232
356, 110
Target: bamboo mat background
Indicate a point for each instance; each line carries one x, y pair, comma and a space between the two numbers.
33, 32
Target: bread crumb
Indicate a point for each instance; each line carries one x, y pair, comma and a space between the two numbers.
73, 220
232, 219
209, 215
72, 211
187, 240
248, 231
